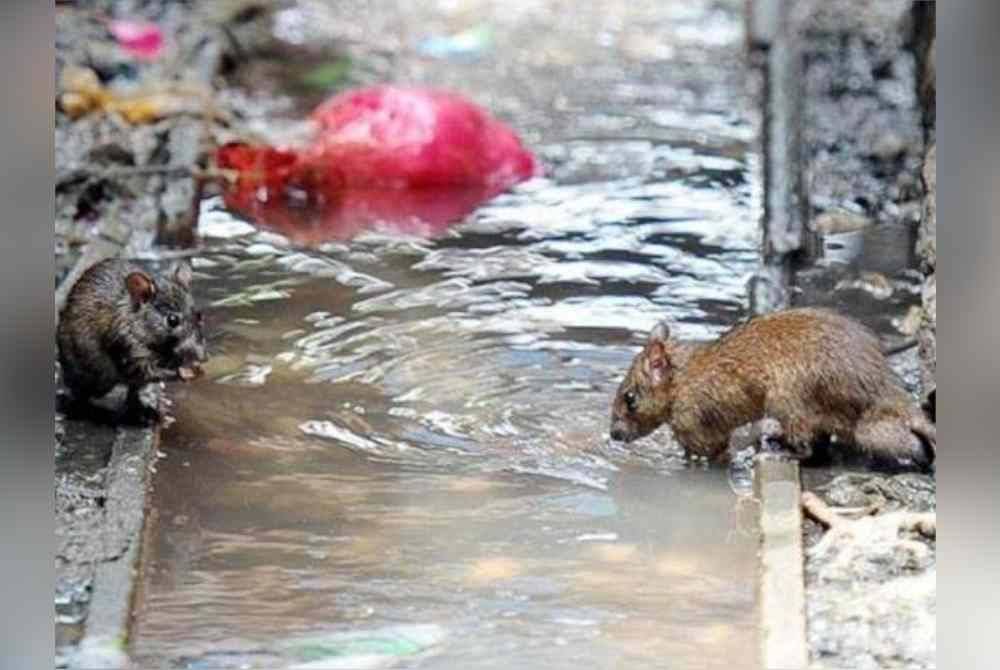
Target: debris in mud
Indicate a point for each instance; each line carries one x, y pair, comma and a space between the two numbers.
142, 39
467, 45
83, 93
909, 324
836, 221
871, 577
875, 284
910, 491
379, 648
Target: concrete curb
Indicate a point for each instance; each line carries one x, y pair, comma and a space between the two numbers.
115, 581
781, 587
133, 453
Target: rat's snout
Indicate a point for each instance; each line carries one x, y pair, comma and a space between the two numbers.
621, 431
192, 349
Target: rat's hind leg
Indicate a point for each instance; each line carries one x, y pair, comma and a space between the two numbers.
137, 409
797, 434
763, 435
897, 435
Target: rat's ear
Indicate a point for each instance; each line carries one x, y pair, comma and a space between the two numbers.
658, 364
181, 272
660, 333
140, 288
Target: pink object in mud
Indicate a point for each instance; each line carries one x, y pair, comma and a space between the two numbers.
140, 38
418, 137
409, 159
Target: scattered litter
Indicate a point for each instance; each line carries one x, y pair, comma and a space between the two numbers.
467, 45
83, 93
141, 39
597, 537
874, 283
377, 648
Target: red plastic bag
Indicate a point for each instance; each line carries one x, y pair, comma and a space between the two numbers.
142, 39
406, 158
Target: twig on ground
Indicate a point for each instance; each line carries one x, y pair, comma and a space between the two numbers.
900, 347
815, 508
858, 512
819, 511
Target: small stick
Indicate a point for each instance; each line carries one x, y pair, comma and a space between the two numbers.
858, 512
901, 347
924, 523
819, 511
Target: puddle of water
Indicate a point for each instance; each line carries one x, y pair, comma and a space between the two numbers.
399, 431
514, 570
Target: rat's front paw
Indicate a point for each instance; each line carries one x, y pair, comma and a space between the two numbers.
139, 413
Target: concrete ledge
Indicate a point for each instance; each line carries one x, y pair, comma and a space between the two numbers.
131, 457
781, 587
115, 577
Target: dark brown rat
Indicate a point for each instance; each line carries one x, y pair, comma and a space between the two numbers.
122, 325
817, 373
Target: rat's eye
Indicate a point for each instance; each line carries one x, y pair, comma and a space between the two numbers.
630, 400
173, 320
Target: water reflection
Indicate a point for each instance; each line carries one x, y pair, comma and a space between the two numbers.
252, 553
307, 217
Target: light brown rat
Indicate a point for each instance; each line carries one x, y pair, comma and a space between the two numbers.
817, 373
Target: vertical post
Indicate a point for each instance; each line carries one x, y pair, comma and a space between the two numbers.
786, 238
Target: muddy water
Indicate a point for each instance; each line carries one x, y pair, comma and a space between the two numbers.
399, 451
